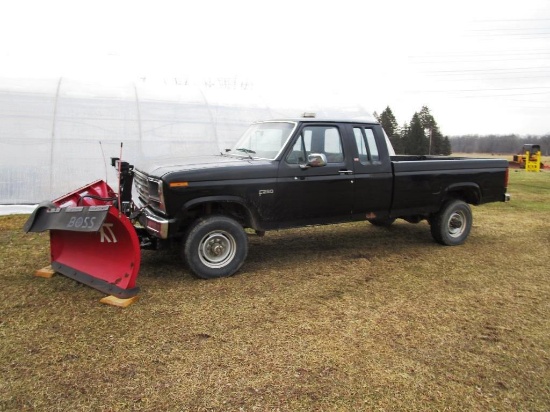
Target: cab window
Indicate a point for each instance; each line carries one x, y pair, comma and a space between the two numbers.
317, 139
366, 145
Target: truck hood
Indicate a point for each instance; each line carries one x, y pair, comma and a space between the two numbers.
203, 167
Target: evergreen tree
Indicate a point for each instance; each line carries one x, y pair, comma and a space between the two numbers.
446, 149
436, 141
420, 136
432, 132
403, 136
389, 124
426, 119
415, 141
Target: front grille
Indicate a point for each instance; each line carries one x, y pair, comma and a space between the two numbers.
142, 186
149, 191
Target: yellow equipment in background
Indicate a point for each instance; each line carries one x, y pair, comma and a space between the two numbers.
530, 159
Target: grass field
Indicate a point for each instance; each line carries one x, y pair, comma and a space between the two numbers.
348, 317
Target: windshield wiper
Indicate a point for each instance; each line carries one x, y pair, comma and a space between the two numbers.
242, 149
247, 151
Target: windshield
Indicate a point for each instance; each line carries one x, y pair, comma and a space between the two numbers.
263, 140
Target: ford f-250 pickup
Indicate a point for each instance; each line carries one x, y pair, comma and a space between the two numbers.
297, 172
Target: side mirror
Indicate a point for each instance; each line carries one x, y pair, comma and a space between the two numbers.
315, 160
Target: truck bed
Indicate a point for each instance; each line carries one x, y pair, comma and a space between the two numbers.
421, 182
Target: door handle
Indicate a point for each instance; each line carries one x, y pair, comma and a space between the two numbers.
345, 172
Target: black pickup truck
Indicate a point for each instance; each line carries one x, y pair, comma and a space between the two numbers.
307, 171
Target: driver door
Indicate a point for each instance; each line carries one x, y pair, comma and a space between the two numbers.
309, 194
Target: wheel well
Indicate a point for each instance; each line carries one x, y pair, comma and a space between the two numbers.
234, 210
470, 195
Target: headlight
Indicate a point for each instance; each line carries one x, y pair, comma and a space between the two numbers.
149, 191
156, 195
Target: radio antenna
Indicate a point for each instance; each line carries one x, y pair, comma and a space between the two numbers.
104, 161
119, 183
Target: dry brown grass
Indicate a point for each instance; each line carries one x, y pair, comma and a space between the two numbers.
348, 317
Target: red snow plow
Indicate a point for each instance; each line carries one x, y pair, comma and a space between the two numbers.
91, 240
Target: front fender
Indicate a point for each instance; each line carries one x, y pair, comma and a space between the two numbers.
253, 219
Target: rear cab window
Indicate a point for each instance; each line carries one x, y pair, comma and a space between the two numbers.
366, 145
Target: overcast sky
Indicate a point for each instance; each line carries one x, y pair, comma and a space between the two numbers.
481, 66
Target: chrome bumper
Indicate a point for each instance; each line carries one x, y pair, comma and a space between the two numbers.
155, 225
507, 197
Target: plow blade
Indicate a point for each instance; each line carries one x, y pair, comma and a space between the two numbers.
90, 241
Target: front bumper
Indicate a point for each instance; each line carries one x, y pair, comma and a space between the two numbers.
156, 225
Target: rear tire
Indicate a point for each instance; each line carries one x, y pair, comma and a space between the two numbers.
452, 224
215, 247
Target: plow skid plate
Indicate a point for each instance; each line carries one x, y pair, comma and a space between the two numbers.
94, 245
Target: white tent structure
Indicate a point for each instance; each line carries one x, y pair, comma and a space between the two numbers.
57, 135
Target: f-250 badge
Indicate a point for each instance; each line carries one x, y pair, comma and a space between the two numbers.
266, 192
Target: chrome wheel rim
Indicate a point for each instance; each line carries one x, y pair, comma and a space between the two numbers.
217, 249
456, 224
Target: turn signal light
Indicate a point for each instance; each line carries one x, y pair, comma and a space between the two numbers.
179, 184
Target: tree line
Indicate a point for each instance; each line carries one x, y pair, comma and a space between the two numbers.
420, 136
498, 144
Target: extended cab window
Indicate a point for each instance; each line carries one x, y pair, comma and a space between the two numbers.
366, 145
317, 139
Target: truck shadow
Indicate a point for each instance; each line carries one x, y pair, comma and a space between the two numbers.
348, 240
305, 246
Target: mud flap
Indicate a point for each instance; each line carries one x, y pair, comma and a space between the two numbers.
94, 245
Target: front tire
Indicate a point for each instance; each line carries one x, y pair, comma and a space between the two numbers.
452, 224
215, 247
